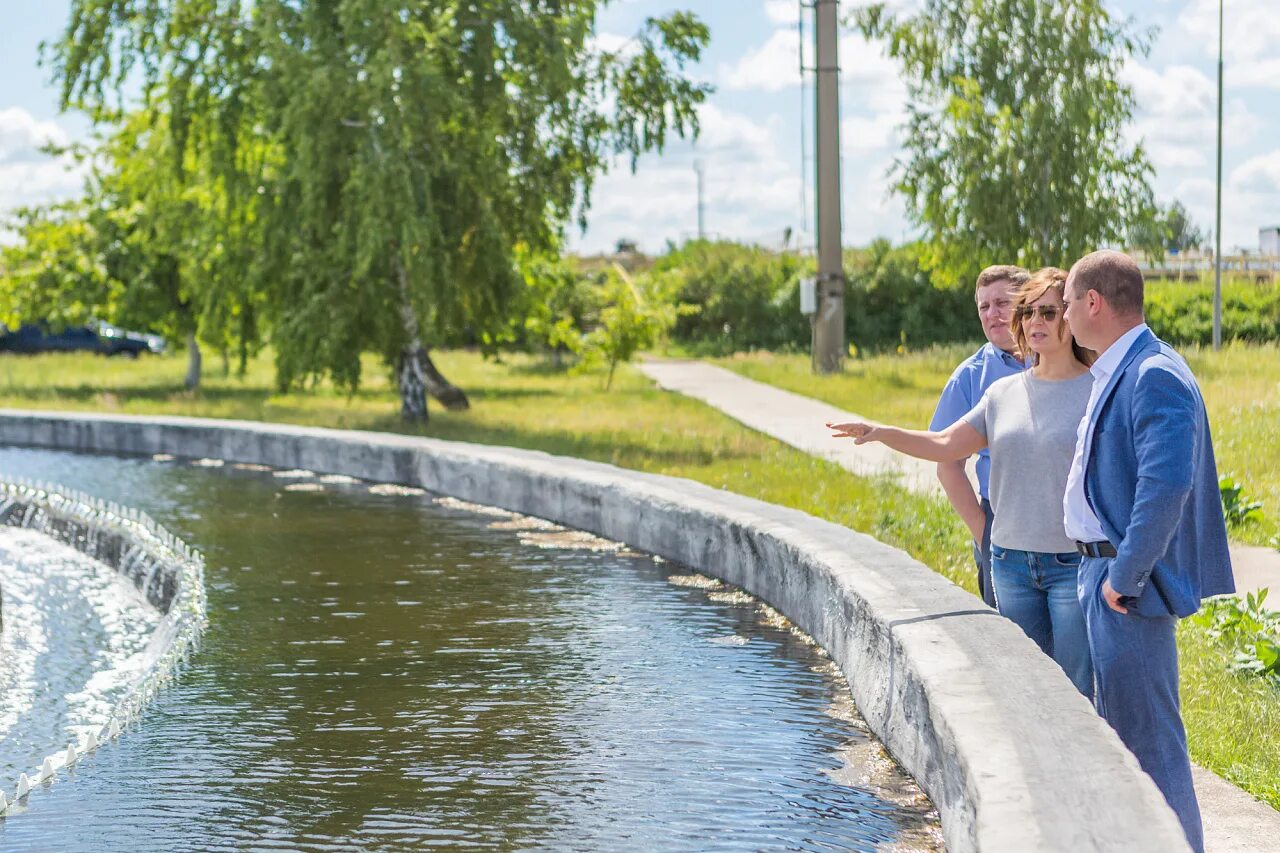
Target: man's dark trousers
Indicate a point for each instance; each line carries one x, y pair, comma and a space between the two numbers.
1135, 664
982, 558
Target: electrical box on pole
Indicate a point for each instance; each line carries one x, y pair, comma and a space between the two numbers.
828, 323
808, 296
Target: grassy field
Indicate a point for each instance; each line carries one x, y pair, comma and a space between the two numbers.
1241, 386
522, 404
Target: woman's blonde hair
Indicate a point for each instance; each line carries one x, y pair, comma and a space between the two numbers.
1041, 282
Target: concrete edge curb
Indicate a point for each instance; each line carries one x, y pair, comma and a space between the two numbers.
1012, 756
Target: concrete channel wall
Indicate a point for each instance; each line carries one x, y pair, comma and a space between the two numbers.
1012, 756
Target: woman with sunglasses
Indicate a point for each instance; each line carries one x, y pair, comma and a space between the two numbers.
1029, 421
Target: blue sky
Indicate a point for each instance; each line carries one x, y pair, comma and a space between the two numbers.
751, 127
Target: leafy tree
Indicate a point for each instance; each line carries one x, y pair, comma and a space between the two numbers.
631, 321
147, 245
1013, 149
560, 300
1170, 231
413, 147
1182, 233
54, 273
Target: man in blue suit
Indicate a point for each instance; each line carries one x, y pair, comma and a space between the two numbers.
1143, 504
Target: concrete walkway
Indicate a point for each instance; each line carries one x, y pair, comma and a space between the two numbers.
1234, 822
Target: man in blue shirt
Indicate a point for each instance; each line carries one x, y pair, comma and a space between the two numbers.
995, 292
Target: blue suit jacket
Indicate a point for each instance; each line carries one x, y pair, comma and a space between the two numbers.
1153, 483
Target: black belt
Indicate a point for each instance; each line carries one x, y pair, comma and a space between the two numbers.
1096, 549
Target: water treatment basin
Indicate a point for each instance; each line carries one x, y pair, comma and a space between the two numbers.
393, 670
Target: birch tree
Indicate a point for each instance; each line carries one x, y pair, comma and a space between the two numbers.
416, 146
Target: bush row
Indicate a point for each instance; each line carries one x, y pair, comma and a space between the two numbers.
726, 297
749, 298
1182, 313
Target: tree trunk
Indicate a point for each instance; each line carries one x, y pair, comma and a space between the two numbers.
192, 381
449, 395
413, 385
416, 373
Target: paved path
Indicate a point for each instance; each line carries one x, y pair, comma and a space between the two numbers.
798, 421
1234, 822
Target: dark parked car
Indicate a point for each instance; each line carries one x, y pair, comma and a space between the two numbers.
96, 337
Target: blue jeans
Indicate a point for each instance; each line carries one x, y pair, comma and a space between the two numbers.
1038, 592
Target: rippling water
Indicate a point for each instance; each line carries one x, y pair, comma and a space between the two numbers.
389, 672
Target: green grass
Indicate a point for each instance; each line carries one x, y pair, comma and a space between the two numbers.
1231, 720
521, 404
1241, 386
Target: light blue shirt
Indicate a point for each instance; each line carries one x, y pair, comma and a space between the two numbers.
963, 391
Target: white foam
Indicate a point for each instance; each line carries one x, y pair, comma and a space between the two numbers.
30, 564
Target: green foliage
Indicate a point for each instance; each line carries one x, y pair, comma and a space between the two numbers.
559, 303
1250, 630
1237, 507
630, 321
381, 163
54, 273
746, 296
153, 243
1182, 313
1013, 149
1181, 234
891, 301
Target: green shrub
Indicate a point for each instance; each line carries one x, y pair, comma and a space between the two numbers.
745, 296
1182, 312
748, 298
1237, 507
632, 318
891, 301
1249, 629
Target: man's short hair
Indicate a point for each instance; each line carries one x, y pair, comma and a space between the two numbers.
1115, 276
1003, 272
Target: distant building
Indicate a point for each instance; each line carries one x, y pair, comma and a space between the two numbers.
1269, 241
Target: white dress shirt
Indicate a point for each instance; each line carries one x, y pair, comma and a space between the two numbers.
1080, 520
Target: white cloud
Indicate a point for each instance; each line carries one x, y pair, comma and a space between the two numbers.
27, 175
1251, 31
775, 65
1251, 198
21, 135
734, 136
1259, 175
781, 11
1176, 116
1262, 73
604, 42
772, 67
752, 189
870, 133
871, 77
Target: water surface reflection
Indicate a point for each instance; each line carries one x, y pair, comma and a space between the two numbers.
384, 671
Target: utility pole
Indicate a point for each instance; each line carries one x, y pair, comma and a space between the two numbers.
828, 330
700, 168
1217, 230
